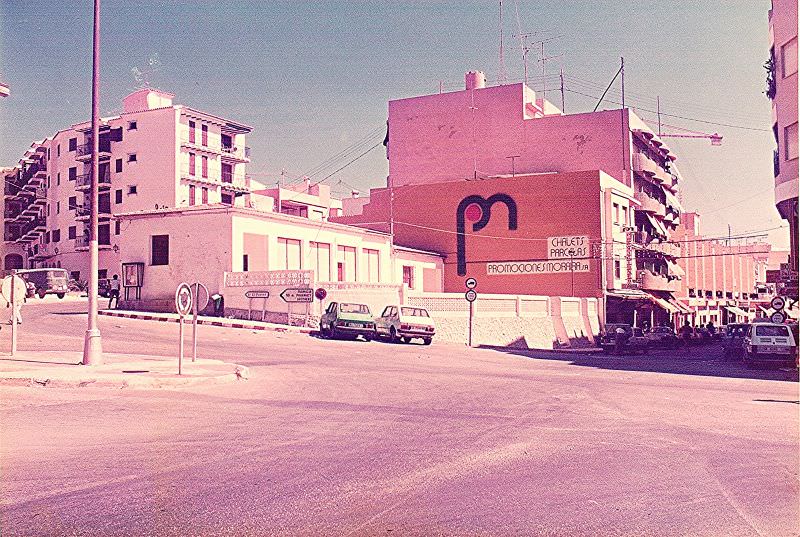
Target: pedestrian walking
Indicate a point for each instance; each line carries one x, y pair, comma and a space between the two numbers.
113, 291
686, 336
620, 338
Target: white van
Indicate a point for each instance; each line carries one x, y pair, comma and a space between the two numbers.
769, 343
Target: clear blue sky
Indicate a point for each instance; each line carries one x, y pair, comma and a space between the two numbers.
313, 78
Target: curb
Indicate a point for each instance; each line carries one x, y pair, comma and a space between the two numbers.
29, 380
227, 323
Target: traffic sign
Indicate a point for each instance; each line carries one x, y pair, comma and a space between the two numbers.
183, 299
257, 294
320, 293
471, 295
777, 317
298, 294
20, 289
777, 303
471, 283
199, 296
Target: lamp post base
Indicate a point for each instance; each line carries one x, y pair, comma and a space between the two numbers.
92, 348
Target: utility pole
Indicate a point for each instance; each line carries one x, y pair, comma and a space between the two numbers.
658, 111
622, 71
502, 75
561, 74
92, 345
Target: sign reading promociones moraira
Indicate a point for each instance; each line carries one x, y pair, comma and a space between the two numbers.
505, 268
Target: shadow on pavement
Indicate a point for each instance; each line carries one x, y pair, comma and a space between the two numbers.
703, 360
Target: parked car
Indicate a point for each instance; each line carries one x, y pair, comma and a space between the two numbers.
769, 344
635, 340
104, 287
45, 281
343, 320
733, 340
404, 323
662, 336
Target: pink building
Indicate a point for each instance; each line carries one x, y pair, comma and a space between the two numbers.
507, 132
782, 90
154, 154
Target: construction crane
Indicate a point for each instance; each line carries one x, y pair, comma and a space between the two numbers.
716, 139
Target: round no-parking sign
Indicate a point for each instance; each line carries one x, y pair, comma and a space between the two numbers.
183, 299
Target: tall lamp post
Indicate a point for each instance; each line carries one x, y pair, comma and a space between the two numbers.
92, 345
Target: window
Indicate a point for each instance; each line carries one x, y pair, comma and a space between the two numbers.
73, 173
132, 157
102, 274
205, 196
227, 199
56, 235
790, 141
118, 165
191, 132
192, 163
408, 276
72, 204
204, 165
159, 249
58, 207
624, 215
131, 189
47, 237
191, 195
789, 58
118, 196
116, 227
288, 254
227, 173
319, 261
204, 135
347, 264
372, 261
75, 275
617, 269
131, 125
73, 144
58, 179
72, 232
244, 263
616, 213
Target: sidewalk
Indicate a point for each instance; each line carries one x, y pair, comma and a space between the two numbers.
64, 370
211, 321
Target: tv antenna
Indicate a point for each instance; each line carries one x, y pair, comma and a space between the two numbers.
142, 76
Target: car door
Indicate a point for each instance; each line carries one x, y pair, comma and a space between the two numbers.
394, 318
328, 316
381, 323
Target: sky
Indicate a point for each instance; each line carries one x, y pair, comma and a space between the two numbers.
314, 79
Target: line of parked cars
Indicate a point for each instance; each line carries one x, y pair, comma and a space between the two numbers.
397, 323
757, 343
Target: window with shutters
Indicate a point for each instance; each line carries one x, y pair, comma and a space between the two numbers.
288, 255
347, 259
319, 261
372, 262
159, 249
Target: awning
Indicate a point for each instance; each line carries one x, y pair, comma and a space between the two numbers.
737, 311
657, 226
676, 270
628, 294
681, 306
664, 304
673, 202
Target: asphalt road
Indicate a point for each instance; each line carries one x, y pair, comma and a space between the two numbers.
356, 438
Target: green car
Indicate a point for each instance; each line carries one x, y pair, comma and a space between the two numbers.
347, 321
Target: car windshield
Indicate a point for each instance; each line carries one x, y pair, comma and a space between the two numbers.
772, 331
662, 330
413, 312
354, 308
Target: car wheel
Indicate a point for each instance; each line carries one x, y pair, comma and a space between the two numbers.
367, 337
60, 295
324, 332
41, 293
393, 335
427, 341
405, 339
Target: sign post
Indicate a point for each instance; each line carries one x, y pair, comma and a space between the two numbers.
183, 305
14, 290
471, 296
199, 295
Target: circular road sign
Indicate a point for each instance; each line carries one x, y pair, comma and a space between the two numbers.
777, 317
471, 295
777, 303
320, 293
199, 295
471, 283
183, 299
20, 289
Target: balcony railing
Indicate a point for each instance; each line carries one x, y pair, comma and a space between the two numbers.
236, 182
650, 204
85, 180
82, 242
657, 282
85, 150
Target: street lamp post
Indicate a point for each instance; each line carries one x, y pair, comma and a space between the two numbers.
92, 345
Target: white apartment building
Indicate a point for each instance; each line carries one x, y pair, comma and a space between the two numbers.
155, 154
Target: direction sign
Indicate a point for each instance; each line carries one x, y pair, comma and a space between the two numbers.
199, 296
471, 283
256, 294
471, 295
183, 299
298, 294
777, 317
20, 289
777, 303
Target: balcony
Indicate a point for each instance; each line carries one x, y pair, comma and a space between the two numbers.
671, 249
41, 251
238, 154
82, 243
236, 183
650, 204
82, 212
84, 182
32, 230
657, 282
83, 152
646, 167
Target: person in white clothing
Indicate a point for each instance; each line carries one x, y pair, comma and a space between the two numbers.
113, 291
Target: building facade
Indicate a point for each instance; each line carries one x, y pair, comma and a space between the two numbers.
484, 133
782, 91
154, 154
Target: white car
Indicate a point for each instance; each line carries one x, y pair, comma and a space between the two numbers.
404, 323
767, 343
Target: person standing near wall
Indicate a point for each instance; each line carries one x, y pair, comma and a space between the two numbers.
113, 291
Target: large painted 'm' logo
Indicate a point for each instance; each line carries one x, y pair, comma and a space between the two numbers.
478, 210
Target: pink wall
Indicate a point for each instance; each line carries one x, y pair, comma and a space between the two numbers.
444, 137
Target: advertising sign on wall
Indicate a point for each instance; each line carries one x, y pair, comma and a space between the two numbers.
512, 268
567, 247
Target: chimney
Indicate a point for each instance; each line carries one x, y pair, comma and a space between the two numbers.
354, 193
475, 80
